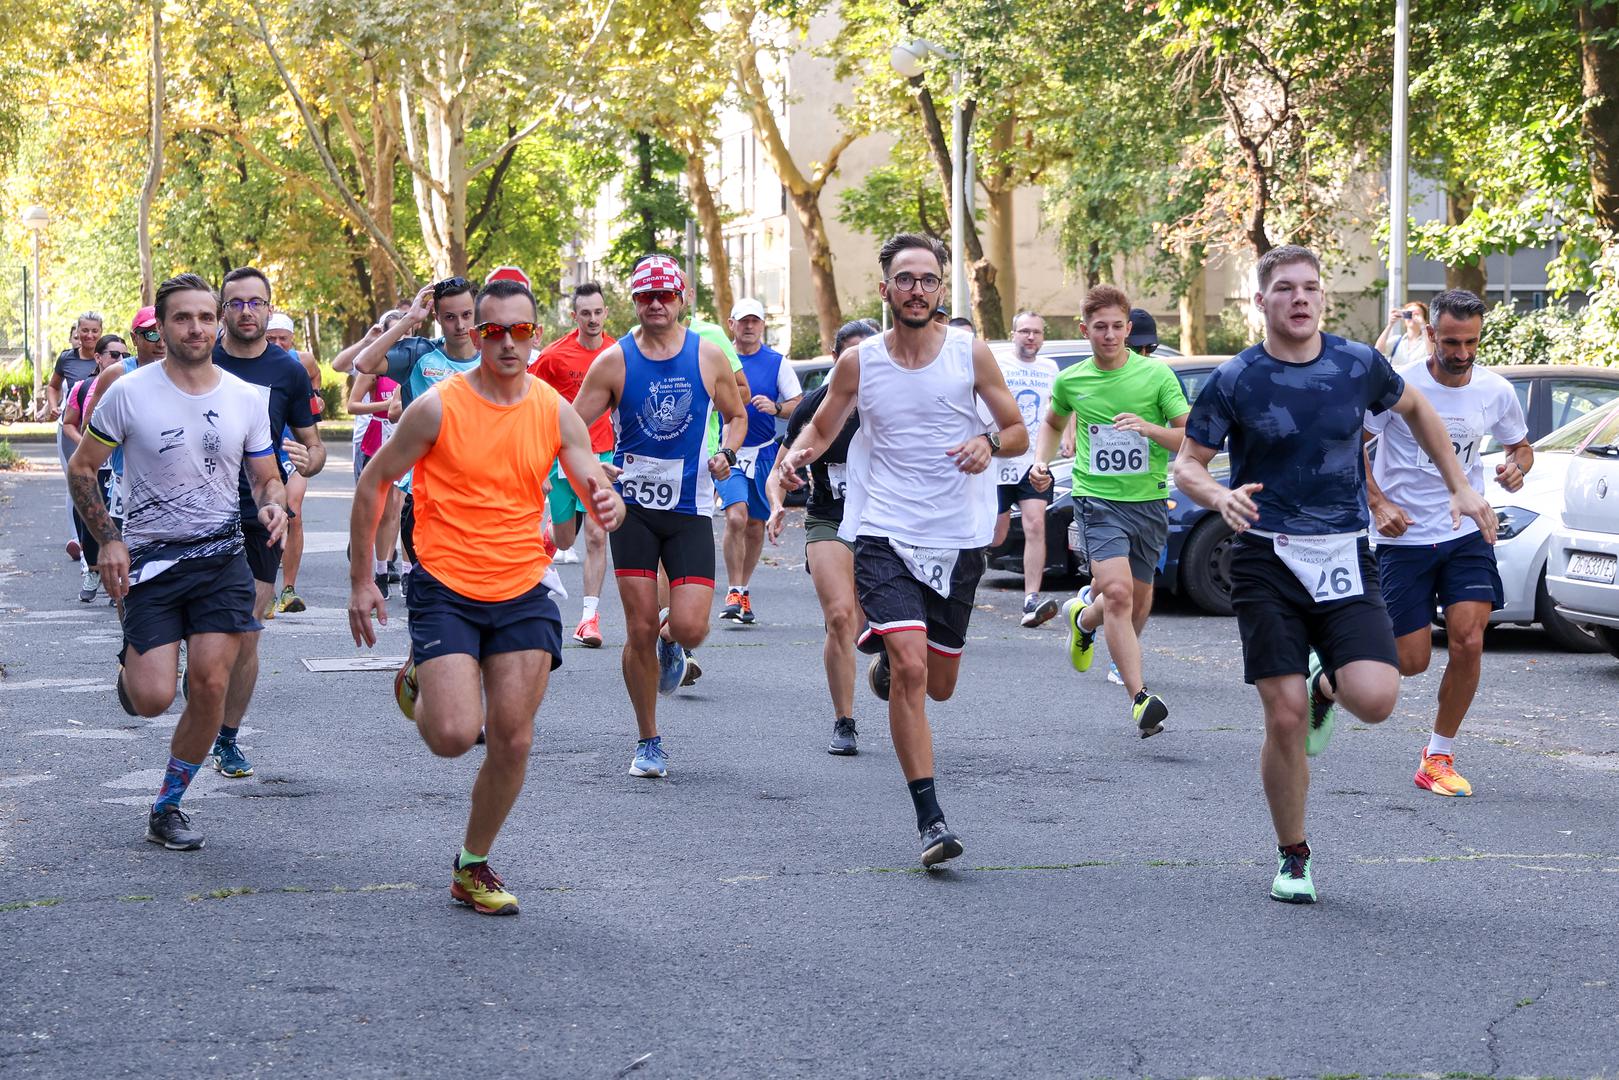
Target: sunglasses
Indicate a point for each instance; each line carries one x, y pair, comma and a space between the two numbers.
452, 284
493, 331
658, 296
117, 355
149, 335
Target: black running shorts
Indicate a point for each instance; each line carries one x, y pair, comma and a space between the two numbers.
894, 600
683, 543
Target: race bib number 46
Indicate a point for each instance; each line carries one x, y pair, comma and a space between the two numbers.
652, 483
1327, 566
1117, 453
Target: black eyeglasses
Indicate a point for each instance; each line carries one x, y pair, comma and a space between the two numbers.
907, 281
449, 285
255, 305
150, 335
118, 355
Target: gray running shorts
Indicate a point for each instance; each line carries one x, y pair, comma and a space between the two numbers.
1117, 530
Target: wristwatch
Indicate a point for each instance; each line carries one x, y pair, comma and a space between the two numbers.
729, 455
994, 438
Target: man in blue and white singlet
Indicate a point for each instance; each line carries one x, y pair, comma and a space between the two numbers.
661, 381
920, 506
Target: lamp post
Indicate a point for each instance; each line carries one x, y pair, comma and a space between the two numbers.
907, 59
36, 218
1398, 153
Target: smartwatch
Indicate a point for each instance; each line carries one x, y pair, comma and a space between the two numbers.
729, 455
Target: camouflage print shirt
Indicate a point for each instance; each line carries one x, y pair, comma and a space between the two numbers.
1296, 429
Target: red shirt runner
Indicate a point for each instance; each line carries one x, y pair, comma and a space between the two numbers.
563, 364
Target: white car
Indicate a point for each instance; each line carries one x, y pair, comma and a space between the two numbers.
1582, 571
1528, 518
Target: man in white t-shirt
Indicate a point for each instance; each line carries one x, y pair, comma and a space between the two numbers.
1029, 376
1424, 562
178, 566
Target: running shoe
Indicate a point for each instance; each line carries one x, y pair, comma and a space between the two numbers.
844, 738
269, 612
1292, 884
405, 689
171, 827
1321, 712
1036, 611
877, 675
567, 555
1149, 712
74, 551
1438, 774
733, 606
89, 585
589, 632
671, 666
480, 889
1081, 642
1113, 675
123, 695
693, 670
393, 571
939, 844
650, 760
228, 760
291, 603
747, 610
382, 584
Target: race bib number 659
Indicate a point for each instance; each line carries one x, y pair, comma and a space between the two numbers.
652, 483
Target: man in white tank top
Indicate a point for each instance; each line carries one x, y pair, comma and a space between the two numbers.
921, 504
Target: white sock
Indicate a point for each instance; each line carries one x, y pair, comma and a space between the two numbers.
590, 606
381, 566
1438, 744
743, 590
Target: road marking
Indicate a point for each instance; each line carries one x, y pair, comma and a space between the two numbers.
326, 664
23, 780
50, 684
102, 734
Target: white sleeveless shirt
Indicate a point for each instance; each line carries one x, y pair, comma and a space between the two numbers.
902, 484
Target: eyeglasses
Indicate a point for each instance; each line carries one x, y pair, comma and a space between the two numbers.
117, 355
150, 335
449, 285
255, 305
907, 281
493, 331
657, 296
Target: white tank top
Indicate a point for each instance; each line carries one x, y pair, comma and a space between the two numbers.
902, 484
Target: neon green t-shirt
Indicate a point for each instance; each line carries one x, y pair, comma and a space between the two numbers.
1121, 466
713, 332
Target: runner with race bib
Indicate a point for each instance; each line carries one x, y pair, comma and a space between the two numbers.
661, 380
1029, 377
1312, 620
921, 447
1130, 416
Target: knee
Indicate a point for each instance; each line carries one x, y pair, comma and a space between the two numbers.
446, 742
842, 622
942, 688
1120, 597
908, 669
736, 516
1413, 665
1377, 705
149, 703
1034, 528
1287, 726
510, 746
1466, 643
689, 630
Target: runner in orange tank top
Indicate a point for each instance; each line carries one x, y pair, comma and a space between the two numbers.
483, 626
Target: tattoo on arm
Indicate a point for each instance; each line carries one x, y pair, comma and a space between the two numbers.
86, 493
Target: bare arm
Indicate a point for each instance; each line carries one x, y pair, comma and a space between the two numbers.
1520, 459
53, 393
1235, 505
585, 472
603, 386
344, 360
1053, 431
373, 358
268, 495
728, 398
1431, 435
85, 487
989, 384
1168, 437
357, 404
305, 450
1389, 519
842, 386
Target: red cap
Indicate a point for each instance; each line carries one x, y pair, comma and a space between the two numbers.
509, 273
657, 273
146, 316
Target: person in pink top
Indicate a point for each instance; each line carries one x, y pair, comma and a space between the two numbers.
369, 397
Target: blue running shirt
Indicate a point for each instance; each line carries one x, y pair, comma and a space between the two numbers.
662, 420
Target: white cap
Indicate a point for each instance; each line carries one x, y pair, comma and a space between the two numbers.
282, 321
747, 306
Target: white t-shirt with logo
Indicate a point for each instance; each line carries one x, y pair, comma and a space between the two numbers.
182, 455
1487, 405
1030, 384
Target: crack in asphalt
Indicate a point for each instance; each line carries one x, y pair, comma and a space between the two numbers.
1490, 1035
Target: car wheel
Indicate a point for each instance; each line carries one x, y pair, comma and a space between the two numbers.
1609, 637
1568, 636
1206, 566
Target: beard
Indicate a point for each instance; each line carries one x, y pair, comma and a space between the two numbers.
915, 322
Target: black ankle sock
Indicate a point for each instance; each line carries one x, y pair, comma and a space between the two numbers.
1141, 695
926, 801
228, 734
1301, 849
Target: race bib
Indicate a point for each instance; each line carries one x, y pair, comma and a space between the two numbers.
837, 477
1327, 566
652, 483
1117, 453
1463, 443
931, 566
115, 495
1011, 470
747, 460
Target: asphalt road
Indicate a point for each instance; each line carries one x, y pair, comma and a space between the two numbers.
760, 913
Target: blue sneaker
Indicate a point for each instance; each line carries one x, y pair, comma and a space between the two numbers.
228, 760
1113, 675
671, 667
650, 760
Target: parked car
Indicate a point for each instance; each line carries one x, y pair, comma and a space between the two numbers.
1582, 572
1197, 561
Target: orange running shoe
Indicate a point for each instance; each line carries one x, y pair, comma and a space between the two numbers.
732, 611
746, 615
1438, 774
589, 633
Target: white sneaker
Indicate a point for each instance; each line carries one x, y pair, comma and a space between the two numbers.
567, 555
89, 584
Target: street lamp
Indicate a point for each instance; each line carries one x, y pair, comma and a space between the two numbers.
1399, 151
35, 218
907, 59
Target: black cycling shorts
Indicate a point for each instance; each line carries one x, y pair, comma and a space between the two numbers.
683, 543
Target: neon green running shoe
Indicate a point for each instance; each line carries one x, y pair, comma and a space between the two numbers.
1149, 713
1292, 884
1321, 712
1081, 643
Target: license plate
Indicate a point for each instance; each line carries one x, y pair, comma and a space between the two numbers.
1589, 567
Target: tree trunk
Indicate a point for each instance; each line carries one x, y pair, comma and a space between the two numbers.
379, 190
1094, 271
1194, 304
1463, 275
708, 216
1599, 62
154, 163
644, 178
828, 312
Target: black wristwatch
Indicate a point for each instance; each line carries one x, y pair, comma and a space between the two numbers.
729, 455
994, 438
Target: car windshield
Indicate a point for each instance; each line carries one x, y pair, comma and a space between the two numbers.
1569, 437
1606, 439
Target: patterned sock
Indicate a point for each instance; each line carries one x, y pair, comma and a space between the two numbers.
467, 858
176, 778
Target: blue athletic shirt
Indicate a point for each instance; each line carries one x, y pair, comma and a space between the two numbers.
763, 371
1296, 428
284, 385
420, 363
116, 462
662, 421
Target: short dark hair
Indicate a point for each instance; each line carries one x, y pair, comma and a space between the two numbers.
905, 242
499, 290
963, 322
1284, 255
849, 331
179, 284
1104, 296
588, 288
107, 339
242, 273
1457, 303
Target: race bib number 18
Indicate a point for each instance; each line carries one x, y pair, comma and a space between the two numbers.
652, 483
931, 566
1117, 453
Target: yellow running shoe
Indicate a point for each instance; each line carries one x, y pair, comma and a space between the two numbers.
1081, 644
1438, 774
480, 889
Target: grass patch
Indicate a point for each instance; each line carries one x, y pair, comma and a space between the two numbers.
21, 905
9, 458
137, 898
224, 894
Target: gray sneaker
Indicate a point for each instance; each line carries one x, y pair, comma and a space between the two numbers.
89, 585
1037, 611
844, 738
172, 828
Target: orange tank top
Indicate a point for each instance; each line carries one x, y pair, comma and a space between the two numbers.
480, 491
